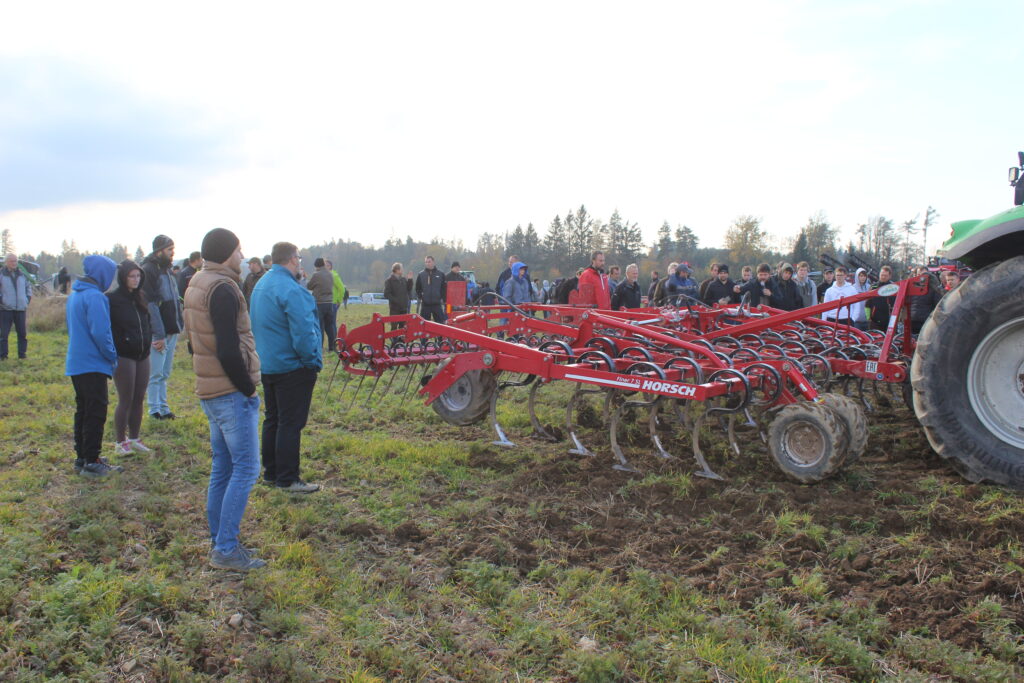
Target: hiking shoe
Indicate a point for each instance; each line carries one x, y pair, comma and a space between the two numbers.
168, 416
238, 560
97, 470
138, 446
123, 448
299, 486
156, 416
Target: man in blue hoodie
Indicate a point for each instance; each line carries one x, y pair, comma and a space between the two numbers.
681, 288
90, 362
287, 331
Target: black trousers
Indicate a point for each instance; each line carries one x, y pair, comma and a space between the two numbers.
90, 415
433, 312
287, 397
17, 319
328, 324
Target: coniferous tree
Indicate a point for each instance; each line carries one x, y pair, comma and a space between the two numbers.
580, 229
664, 245
686, 242
800, 250
139, 255
7, 243
532, 248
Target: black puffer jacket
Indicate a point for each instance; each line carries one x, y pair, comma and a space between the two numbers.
785, 295
129, 316
922, 306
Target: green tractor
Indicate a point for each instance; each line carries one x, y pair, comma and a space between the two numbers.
968, 369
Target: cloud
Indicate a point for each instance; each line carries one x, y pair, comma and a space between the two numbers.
68, 135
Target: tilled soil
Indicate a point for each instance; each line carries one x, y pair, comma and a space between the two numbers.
924, 549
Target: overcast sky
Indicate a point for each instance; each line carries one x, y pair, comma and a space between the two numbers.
312, 121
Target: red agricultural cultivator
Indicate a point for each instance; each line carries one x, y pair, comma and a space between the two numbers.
799, 383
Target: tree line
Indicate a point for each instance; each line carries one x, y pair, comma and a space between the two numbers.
567, 241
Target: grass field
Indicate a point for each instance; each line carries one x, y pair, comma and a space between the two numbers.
432, 555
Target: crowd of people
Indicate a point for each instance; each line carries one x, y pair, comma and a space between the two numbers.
268, 330
271, 328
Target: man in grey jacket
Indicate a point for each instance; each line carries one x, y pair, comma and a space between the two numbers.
161, 292
322, 286
805, 285
15, 293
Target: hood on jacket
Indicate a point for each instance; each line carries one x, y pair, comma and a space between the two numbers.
126, 267
856, 281
100, 270
517, 268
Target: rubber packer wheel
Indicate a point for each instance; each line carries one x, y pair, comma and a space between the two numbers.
806, 441
851, 415
466, 401
968, 375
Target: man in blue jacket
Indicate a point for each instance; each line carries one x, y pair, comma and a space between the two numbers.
90, 362
287, 331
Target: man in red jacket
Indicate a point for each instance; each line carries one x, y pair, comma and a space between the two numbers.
594, 275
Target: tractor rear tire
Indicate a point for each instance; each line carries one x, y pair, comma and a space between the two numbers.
806, 441
851, 414
466, 401
968, 375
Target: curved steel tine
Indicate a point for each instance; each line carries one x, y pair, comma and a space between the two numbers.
751, 422
613, 434
683, 414
578, 447
860, 394
732, 434
531, 405
355, 395
698, 455
652, 429
372, 389
502, 440
333, 373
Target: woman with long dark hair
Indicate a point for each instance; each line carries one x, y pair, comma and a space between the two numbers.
130, 325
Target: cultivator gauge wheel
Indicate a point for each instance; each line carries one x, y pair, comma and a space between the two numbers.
806, 440
468, 400
854, 423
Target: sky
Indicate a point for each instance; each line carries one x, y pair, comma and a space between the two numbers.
309, 122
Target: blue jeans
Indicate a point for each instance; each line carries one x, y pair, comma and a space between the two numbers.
160, 364
234, 438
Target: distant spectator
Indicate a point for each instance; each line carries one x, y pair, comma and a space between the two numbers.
563, 288
706, 282
161, 290
339, 290
430, 290
614, 278
881, 306
828, 276
268, 263
90, 362
951, 279
398, 292
681, 288
322, 286
858, 310
785, 294
506, 274
63, 280
15, 296
759, 287
455, 275
256, 271
722, 290
746, 275
517, 288
195, 262
840, 289
594, 275
485, 295
132, 332
922, 306
658, 295
627, 293
805, 285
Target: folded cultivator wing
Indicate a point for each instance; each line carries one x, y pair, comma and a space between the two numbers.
799, 383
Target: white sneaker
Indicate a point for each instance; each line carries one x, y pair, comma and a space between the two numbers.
123, 448
139, 447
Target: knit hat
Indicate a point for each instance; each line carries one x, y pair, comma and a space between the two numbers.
455, 264
162, 242
722, 268
219, 244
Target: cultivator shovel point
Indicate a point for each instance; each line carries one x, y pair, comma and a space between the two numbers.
760, 369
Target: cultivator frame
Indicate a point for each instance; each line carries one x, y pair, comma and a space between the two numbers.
757, 368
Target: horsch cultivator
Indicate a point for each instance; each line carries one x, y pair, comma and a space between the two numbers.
797, 382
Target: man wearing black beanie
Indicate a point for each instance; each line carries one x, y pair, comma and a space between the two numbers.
227, 372
161, 290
